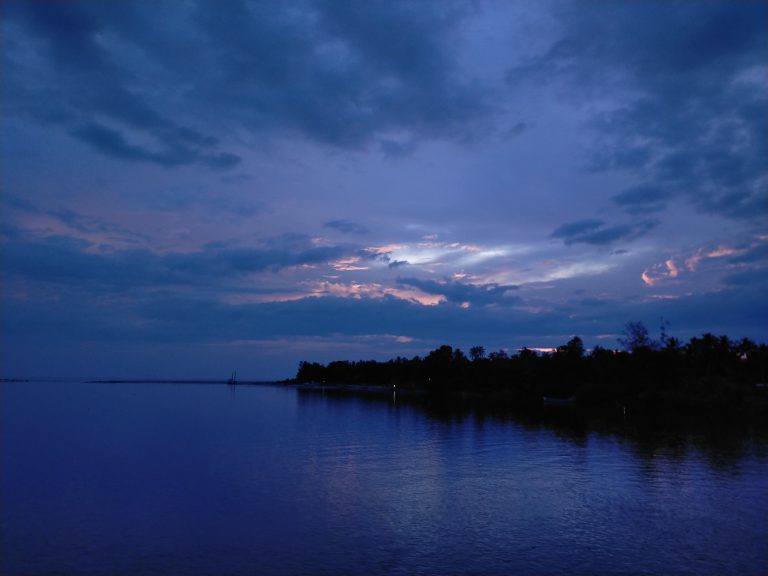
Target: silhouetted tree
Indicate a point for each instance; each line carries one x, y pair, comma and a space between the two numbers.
663, 336
498, 355
477, 353
635, 337
573, 349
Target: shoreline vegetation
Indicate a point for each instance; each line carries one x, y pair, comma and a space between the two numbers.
709, 375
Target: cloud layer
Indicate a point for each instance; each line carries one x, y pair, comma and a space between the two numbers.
256, 183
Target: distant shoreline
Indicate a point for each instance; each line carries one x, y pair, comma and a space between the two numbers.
178, 381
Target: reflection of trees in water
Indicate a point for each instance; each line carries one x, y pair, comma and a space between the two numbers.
650, 436
722, 443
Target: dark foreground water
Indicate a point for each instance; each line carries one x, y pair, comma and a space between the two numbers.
124, 479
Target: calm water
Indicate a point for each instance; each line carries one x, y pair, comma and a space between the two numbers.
208, 479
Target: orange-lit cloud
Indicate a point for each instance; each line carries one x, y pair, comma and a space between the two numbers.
660, 272
386, 249
360, 290
348, 264
324, 288
721, 251
647, 278
672, 269
692, 262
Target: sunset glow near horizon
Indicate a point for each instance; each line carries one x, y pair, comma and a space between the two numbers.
190, 188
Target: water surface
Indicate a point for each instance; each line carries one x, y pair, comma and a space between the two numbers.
159, 478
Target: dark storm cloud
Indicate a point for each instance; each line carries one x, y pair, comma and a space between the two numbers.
578, 228
235, 261
327, 317
459, 293
170, 78
63, 260
753, 278
346, 227
175, 316
751, 254
11, 200
339, 72
598, 233
64, 50
112, 143
72, 219
689, 108
736, 310
185, 196
642, 199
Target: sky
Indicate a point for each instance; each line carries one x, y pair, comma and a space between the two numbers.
193, 187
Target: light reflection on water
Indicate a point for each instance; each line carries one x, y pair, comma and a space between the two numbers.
207, 479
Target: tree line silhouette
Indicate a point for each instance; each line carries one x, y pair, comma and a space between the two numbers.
707, 372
